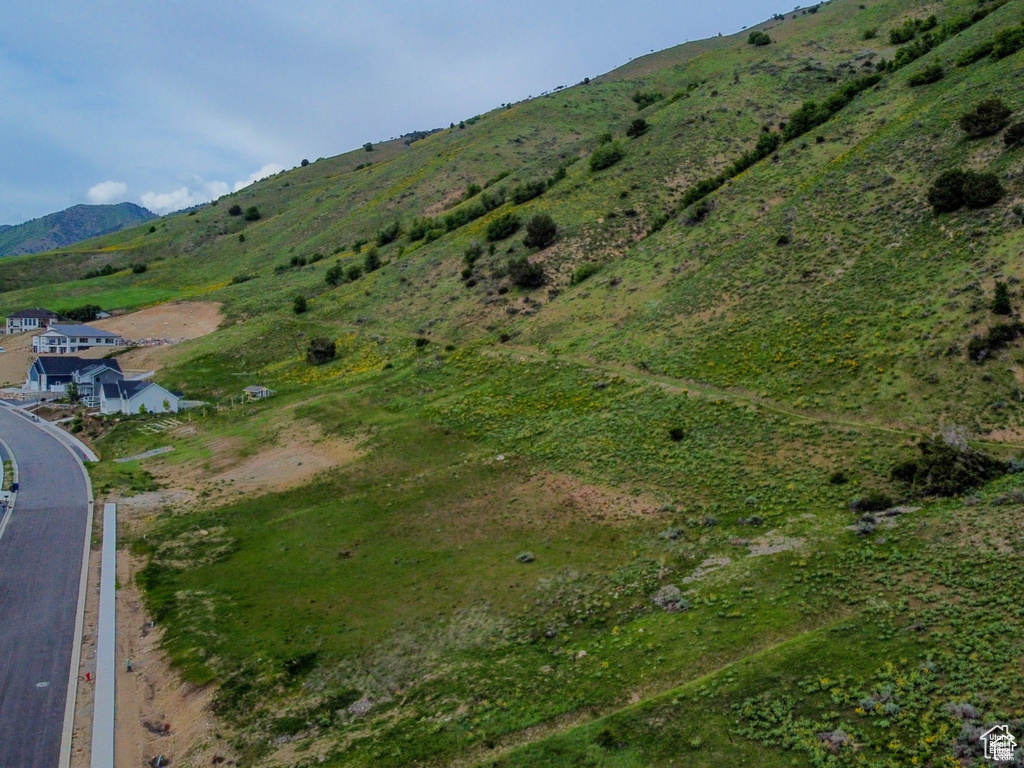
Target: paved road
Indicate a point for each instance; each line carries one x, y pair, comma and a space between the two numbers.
40, 569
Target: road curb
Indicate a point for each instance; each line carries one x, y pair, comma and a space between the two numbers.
10, 507
106, 647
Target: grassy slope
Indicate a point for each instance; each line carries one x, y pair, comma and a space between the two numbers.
779, 365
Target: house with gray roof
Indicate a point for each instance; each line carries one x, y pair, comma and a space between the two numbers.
130, 397
53, 374
31, 320
62, 339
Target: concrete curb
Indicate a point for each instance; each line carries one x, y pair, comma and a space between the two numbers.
106, 644
69, 441
14, 496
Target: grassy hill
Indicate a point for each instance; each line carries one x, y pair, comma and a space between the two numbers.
694, 548
80, 222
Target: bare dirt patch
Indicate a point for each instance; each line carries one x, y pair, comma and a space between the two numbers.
706, 568
176, 321
772, 543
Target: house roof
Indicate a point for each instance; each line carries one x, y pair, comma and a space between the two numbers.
129, 389
40, 313
254, 388
103, 365
60, 366
80, 330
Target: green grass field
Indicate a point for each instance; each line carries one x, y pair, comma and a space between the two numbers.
686, 427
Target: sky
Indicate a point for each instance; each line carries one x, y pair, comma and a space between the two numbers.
170, 104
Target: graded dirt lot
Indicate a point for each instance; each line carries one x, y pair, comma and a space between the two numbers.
176, 322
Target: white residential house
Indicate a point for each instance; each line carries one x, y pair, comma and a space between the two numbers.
31, 320
257, 393
131, 397
67, 339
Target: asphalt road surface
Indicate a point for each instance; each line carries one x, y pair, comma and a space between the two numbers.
40, 569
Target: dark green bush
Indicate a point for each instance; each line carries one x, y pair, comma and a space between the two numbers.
252, 213
335, 275
389, 234
371, 261
320, 351
299, 304
524, 274
947, 467
982, 190
541, 231
1001, 301
1014, 136
527, 191
421, 341
637, 128
906, 33
605, 156
947, 192
872, 501
502, 227
701, 189
1008, 42
235, 210
930, 74
472, 191
138, 268
646, 99
987, 118
759, 38
977, 53
83, 314
354, 272
981, 348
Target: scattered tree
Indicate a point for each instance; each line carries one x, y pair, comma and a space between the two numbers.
299, 304
605, 156
1014, 136
84, 314
646, 99
354, 272
389, 234
235, 210
252, 213
637, 128
759, 38
1001, 301
524, 274
541, 231
987, 118
335, 275
982, 190
368, 146
304, 163
138, 268
930, 74
502, 227
321, 350
371, 261
947, 192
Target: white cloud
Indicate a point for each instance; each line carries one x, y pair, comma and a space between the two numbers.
195, 192
267, 170
107, 192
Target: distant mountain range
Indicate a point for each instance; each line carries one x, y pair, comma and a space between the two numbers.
80, 222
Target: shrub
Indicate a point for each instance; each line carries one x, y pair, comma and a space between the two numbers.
977, 53
605, 156
354, 272
320, 351
584, 271
335, 275
252, 213
524, 274
1014, 136
357, 246
645, 99
759, 38
981, 347
982, 190
502, 227
472, 191
947, 192
420, 227
235, 210
389, 234
1001, 301
83, 314
986, 119
368, 146
541, 231
869, 34
904, 34
872, 501
371, 261
421, 341
1008, 42
138, 269
528, 190
299, 304
930, 74
947, 467
637, 128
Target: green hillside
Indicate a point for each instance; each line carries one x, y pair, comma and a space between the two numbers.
728, 473
72, 225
